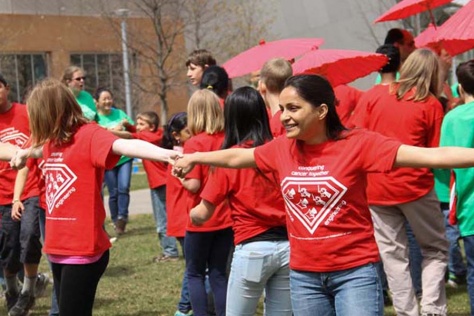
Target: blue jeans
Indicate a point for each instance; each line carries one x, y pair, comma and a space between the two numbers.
207, 250
469, 248
158, 201
184, 304
54, 311
416, 258
456, 264
118, 185
355, 291
258, 266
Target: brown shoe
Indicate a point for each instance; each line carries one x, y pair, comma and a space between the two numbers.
120, 226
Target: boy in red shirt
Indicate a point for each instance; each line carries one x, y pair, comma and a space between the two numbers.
19, 239
147, 129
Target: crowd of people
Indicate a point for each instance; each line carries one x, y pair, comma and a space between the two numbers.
321, 199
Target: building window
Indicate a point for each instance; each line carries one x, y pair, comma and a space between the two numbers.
22, 71
102, 70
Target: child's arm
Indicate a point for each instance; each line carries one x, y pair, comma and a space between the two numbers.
135, 148
7, 151
20, 181
122, 134
202, 212
19, 159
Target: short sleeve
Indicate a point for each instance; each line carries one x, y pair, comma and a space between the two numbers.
191, 146
101, 149
265, 155
378, 152
217, 187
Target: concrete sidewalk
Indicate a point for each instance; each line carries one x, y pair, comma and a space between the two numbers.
140, 202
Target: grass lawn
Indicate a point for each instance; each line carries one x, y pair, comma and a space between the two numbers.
133, 285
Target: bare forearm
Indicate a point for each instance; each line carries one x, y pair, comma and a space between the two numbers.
20, 182
122, 134
439, 157
228, 158
7, 151
136, 148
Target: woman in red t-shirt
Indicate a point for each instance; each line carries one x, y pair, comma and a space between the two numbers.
208, 245
76, 154
261, 256
322, 168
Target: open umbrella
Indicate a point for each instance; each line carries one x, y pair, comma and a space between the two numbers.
457, 33
407, 8
339, 66
254, 58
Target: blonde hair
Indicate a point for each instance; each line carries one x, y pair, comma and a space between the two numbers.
205, 113
274, 74
69, 72
420, 71
54, 113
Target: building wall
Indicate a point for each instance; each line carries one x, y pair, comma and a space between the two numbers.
59, 36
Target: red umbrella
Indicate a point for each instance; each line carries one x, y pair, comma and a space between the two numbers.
254, 58
457, 33
429, 38
339, 66
407, 8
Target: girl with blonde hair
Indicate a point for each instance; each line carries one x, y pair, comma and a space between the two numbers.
206, 245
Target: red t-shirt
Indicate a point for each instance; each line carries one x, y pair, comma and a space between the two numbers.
329, 223
255, 201
276, 126
204, 142
73, 175
15, 129
412, 123
156, 171
348, 97
176, 206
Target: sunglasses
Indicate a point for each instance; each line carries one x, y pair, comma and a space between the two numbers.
79, 78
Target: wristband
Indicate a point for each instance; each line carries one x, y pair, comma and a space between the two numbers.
15, 201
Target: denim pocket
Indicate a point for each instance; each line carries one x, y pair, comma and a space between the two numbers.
253, 267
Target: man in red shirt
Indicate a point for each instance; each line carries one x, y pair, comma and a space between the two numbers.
19, 239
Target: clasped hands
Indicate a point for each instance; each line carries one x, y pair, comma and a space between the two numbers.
182, 165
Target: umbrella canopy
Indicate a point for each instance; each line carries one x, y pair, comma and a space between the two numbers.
429, 38
254, 58
407, 8
457, 33
339, 66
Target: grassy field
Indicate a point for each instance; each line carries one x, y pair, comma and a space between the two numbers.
133, 285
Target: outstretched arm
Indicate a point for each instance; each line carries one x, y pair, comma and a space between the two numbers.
135, 148
7, 151
228, 158
437, 157
19, 159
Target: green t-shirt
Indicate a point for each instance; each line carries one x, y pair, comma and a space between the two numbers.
457, 130
86, 101
115, 117
378, 80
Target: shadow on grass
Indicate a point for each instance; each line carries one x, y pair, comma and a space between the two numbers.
118, 271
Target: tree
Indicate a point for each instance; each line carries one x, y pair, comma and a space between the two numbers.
158, 29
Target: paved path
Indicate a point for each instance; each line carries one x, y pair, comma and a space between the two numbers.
140, 202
